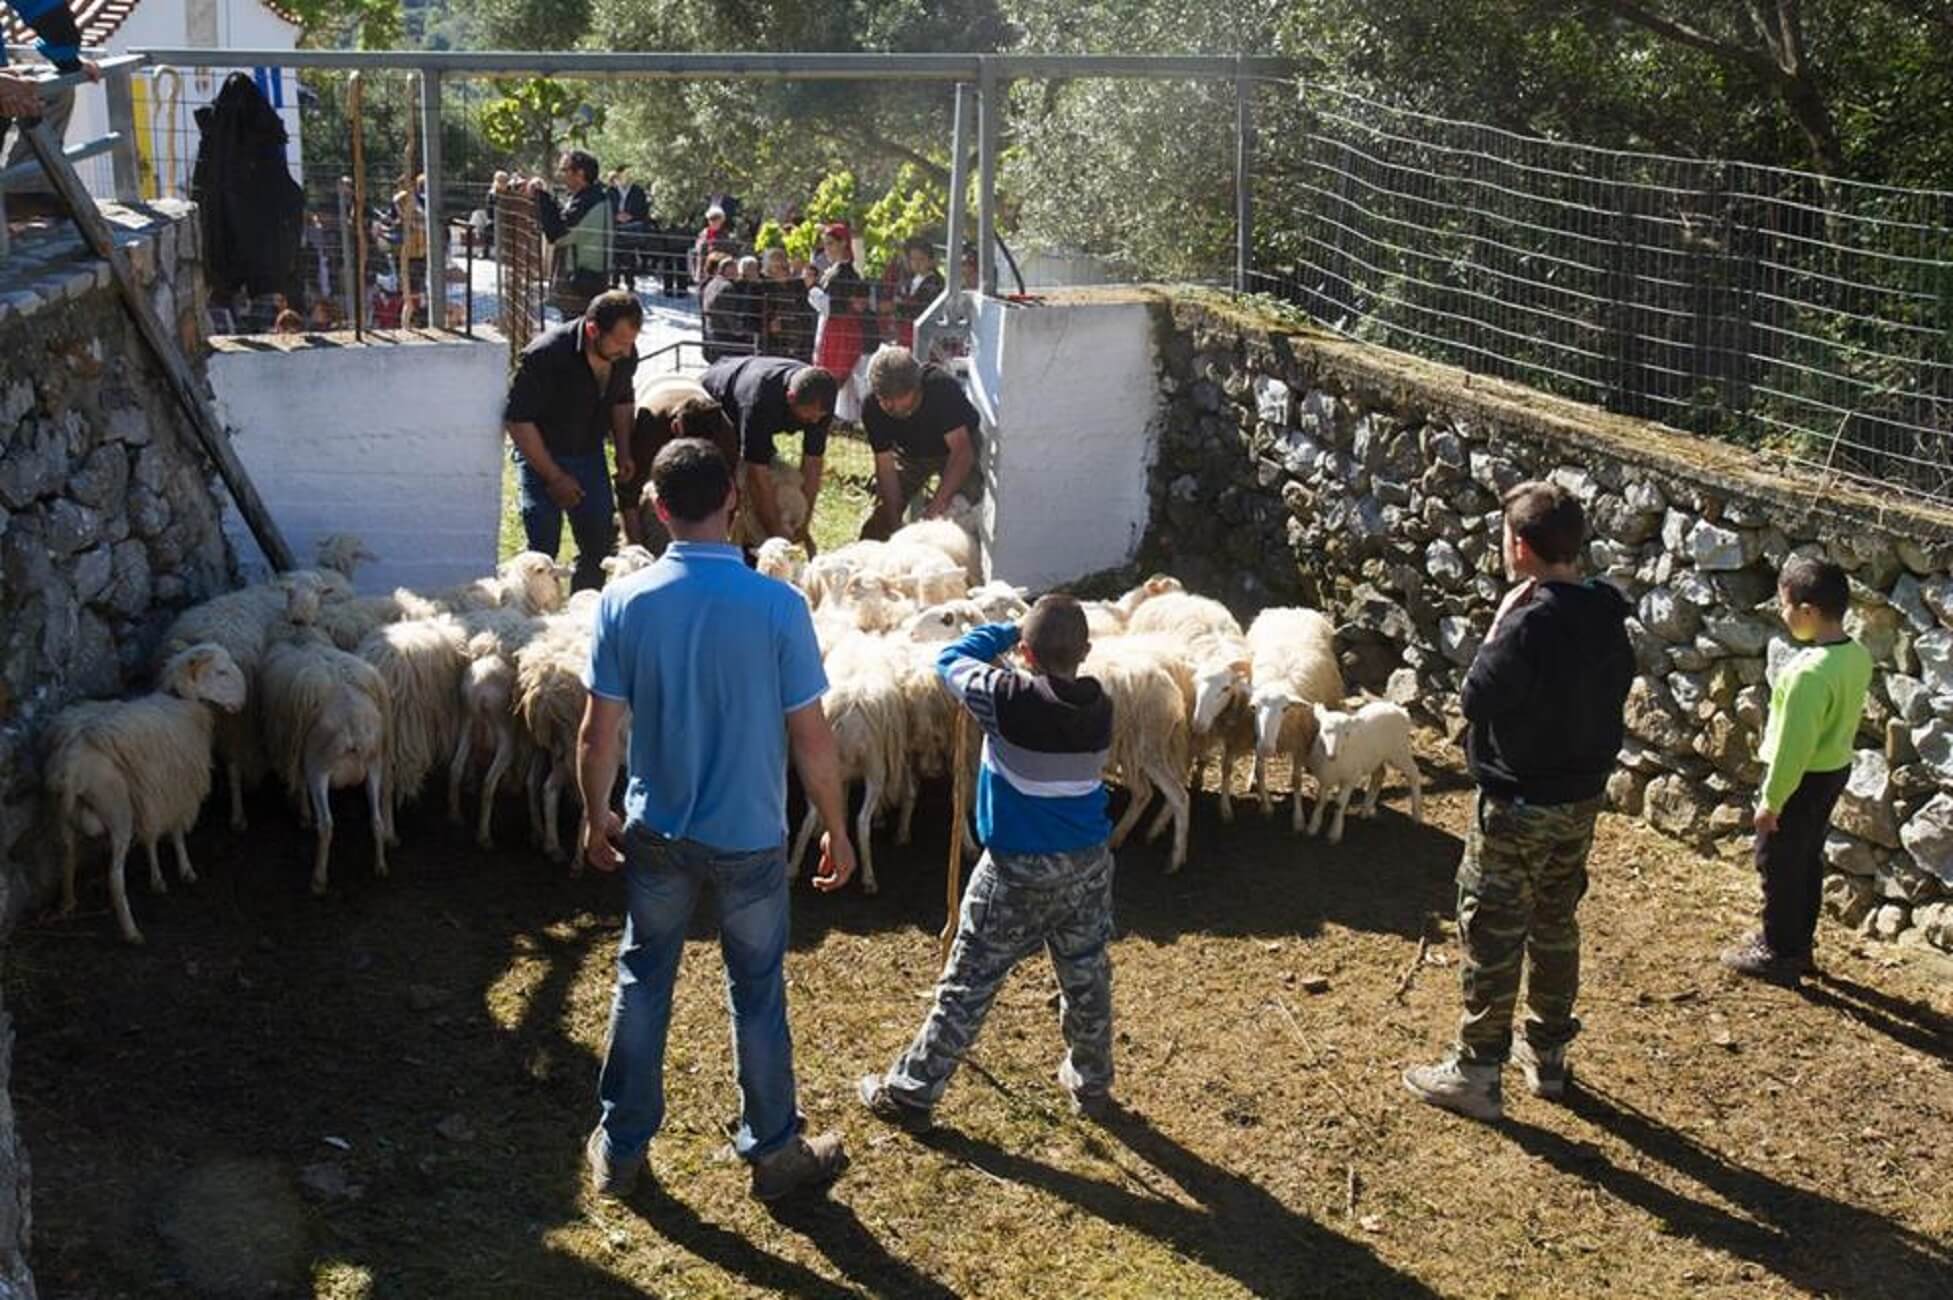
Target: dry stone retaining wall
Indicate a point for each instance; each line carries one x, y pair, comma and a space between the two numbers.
1296, 468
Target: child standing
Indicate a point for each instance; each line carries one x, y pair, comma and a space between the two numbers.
1045, 879
1544, 702
1815, 707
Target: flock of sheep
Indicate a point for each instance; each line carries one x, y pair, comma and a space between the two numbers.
301, 679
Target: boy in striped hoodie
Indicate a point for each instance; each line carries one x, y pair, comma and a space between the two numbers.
1045, 880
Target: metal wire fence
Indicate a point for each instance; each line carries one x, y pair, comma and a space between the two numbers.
1803, 315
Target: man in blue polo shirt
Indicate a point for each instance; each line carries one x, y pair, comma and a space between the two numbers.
718, 673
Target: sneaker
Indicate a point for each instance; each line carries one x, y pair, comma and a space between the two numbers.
1757, 959
1453, 1085
1547, 1072
800, 1165
609, 1177
884, 1105
1094, 1104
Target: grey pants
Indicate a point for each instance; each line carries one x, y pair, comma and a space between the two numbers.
57, 111
1016, 904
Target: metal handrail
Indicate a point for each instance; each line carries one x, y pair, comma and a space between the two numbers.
113, 72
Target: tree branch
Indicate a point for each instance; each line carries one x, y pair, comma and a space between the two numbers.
874, 140
1683, 34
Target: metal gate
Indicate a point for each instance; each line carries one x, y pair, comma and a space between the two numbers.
521, 269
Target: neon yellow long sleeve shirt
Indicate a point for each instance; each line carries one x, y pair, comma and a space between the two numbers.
1814, 711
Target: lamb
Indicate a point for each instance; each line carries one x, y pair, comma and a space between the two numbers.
528, 581
1350, 748
1182, 614
342, 553
950, 538
1150, 734
628, 560
421, 661
326, 716
873, 603
1221, 719
1159, 584
789, 501
549, 699
781, 559
866, 706
488, 723
346, 623
1001, 602
1294, 668
140, 769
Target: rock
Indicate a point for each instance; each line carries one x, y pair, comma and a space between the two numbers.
1690, 658
1889, 921
1868, 556
1314, 983
1742, 634
1849, 899
1916, 558
1876, 627
128, 425
1403, 688
1935, 653
1850, 855
93, 569
1744, 589
1900, 881
1207, 395
1865, 807
103, 478
1496, 474
1274, 402
1934, 742
1934, 921
152, 469
1910, 698
1690, 690
1928, 837
25, 560
1752, 706
149, 513
1666, 616
1777, 653
1446, 565
34, 466
1727, 743
71, 527
1578, 483
1696, 590
1937, 594
1671, 805
1646, 496
1619, 521
1458, 639
1626, 791
128, 592
1908, 598
1715, 548
94, 670
1443, 448
328, 1181
1675, 528
1652, 717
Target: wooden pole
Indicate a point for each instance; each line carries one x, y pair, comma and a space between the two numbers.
162, 344
959, 777
355, 106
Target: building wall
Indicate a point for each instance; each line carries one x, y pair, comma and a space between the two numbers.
398, 440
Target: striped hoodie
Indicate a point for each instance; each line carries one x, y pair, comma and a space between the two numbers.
54, 22
1039, 787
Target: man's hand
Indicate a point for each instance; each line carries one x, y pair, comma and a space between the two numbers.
935, 510
837, 862
806, 540
1765, 821
602, 836
537, 185
91, 69
565, 491
626, 468
18, 98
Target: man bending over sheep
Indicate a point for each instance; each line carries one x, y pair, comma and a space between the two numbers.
1544, 702
721, 676
765, 397
921, 426
572, 389
1045, 880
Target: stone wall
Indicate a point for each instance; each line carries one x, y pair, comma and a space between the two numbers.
1294, 467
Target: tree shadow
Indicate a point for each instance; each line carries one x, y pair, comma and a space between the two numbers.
1811, 1241
1904, 1021
1237, 1228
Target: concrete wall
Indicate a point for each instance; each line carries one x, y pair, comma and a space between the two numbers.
398, 440
1070, 390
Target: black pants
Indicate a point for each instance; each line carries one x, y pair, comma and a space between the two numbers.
1791, 861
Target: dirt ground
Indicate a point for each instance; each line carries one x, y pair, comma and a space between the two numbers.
384, 1093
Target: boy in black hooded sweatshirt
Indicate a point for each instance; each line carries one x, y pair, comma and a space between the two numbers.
1544, 702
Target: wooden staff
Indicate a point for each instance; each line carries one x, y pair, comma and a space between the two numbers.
959, 774
355, 100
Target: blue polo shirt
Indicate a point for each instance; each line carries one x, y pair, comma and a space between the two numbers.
711, 657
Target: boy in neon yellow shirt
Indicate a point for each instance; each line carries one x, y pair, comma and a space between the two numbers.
1815, 707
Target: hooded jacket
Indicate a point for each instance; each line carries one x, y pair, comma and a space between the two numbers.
1544, 697
252, 210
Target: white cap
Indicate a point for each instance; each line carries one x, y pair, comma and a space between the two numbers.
714, 211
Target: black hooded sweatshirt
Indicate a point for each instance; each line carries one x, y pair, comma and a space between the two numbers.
1544, 697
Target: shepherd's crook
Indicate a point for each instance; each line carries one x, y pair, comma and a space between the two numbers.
959, 773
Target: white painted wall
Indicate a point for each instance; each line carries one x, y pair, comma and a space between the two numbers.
399, 442
1070, 390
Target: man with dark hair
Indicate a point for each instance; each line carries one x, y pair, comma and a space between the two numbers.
579, 232
765, 397
1045, 879
669, 408
572, 389
920, 426
1544, 701
717, 671
1816, 703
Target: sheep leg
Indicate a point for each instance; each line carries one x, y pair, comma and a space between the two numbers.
1376, 788
1296, 820
1343, 794
808, 825
457, 769
1324, 793
871, 797
321, 796
1141, 790
1416, 778
1161, 820
157, 885
497, 766
906, 813
1180, 805
236, 773
1261, 783
69, 852
184, 871
121, 833
1226, 781
534, 783
552, 799
380, 809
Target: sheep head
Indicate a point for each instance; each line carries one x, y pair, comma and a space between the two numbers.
343, 553
1157, 585
781, 559
206, 672
1000, 602
944, 622
304, 593
537, 578
627, 561
1217, 684
1332, 731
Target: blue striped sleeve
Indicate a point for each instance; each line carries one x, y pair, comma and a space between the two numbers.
964, 665
54, 22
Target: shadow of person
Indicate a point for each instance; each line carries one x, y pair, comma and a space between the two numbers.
1911, 1024
1811, 1241
1236, 1228
682, 1226
834, 1229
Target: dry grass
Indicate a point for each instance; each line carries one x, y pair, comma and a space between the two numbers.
1727, 1139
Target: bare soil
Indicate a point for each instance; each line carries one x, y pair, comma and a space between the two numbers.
384, 1093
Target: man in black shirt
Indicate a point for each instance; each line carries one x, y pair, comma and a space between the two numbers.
572, 389
765, 397
920, 425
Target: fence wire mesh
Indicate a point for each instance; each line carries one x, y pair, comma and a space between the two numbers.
1803, 315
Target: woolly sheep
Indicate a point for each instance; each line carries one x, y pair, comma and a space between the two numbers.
1104, 619
140, 769
1001, 602
950, 538
549, 699
789, 501
343, 553
1351, 748
1159, 584
867, 708
628, 560
1293, 668
1150, 735
421, 661
528, 581
781, 559
488, 723
1183, 615
326, 718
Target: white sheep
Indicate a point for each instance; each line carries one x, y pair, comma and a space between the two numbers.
343, 553
1150, 734
1351, 748
346, 623
528, 581
140, 769
326, 718
867, 708
1294, 668
629, 559
789, 502
1104, 619
488, 723
549, 699
873, 603
781, 559
950, 538
421, 661
1001, 602
1221, 719
1159, 584
1182, 614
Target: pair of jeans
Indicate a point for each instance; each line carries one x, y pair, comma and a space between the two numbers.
592, 520
1791, 861
664, 878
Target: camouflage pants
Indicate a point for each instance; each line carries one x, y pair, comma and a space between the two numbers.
1014, 905
1524, 872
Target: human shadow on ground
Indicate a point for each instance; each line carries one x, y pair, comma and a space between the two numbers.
1908, 1023
837, 1232
1238, 1228
1817, 1244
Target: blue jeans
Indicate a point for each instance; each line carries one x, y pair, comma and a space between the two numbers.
591, 520
664, 877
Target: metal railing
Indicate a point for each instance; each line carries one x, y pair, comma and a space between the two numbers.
118, 142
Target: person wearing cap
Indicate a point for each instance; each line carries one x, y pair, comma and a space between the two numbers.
842, 301
715, 237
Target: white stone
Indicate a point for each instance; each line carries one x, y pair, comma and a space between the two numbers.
1444, 563
1696, 590
1458, 639
1928, 837
1889, 921
1667, 616
1937, 593
1779, 652
1910, 698
1934, 741
1865, 807
1675, 531
1850, 855
1740, 633
1646, 497
1273, 400
1935, 651
1714, 547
